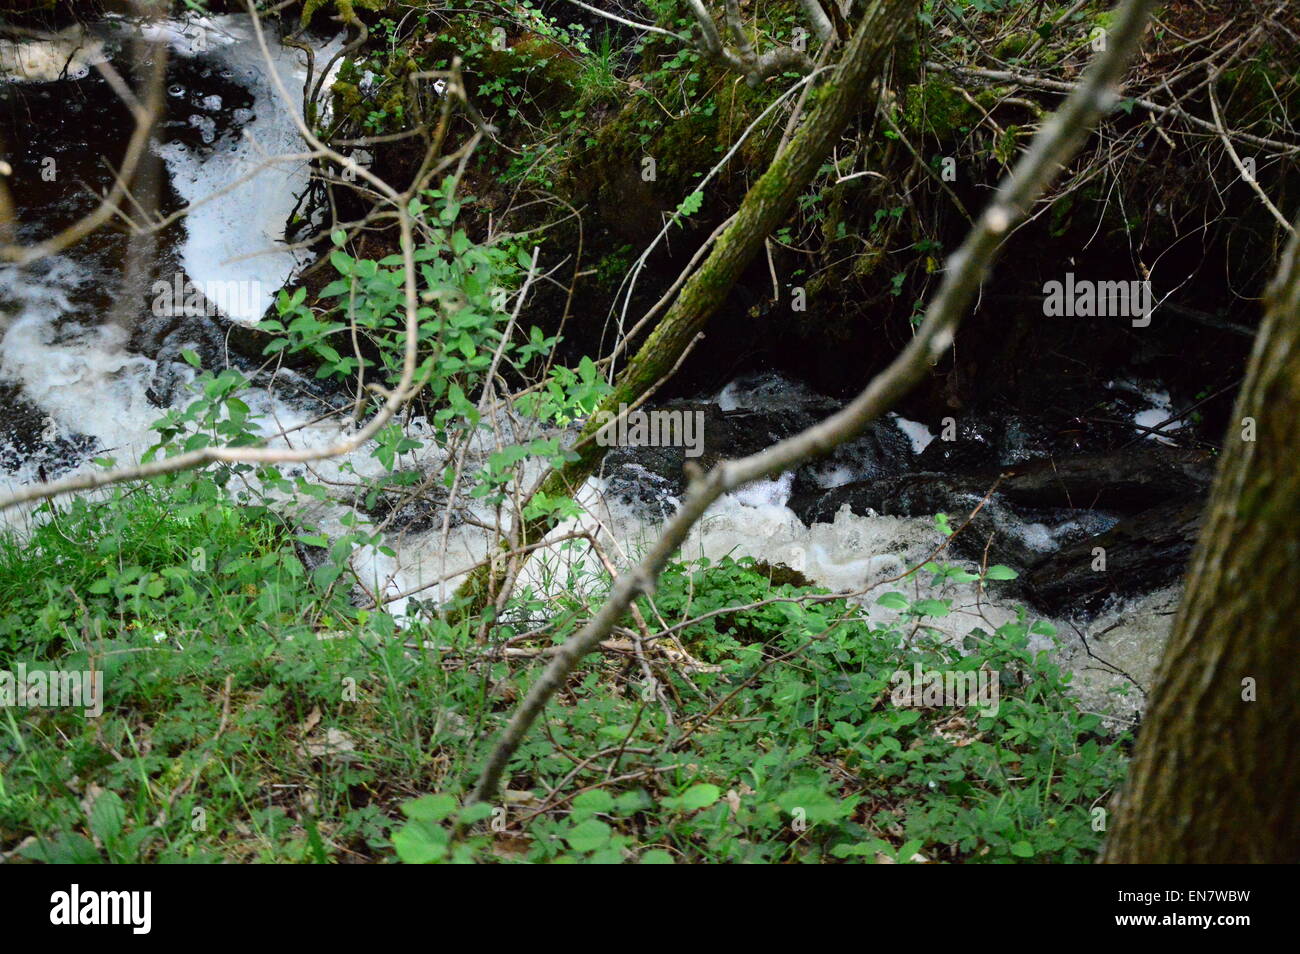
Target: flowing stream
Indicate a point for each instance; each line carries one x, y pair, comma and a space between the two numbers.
76, 384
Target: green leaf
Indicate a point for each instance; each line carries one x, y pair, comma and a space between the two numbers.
430, 808
698, 796
589, 835
691, 204
936, 608
477, 812
418, 844
63, 849
107, 816
342, 262
596, 800
1022, 849
908, 849
1000, 572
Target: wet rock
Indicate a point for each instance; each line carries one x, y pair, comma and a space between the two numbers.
1126, 480
1020, 439
909, 495
926, 494
1142, 552
1042, 507
164, 338
973, 448
646, 477
30, 437
411, 502
218, 342
778, 574
650, 477
883, 451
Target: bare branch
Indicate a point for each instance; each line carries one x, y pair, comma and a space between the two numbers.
821, 23
737, 28
1241, 167
629, 23
708, 29
743, 60
1058, 86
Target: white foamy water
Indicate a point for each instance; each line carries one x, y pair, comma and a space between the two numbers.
80, 375
237, 237
916, 432
74, 366
1160, 408
68, 54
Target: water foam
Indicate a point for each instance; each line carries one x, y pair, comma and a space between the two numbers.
238, 236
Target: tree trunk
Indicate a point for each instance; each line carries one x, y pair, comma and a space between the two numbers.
1213, 778
766, 206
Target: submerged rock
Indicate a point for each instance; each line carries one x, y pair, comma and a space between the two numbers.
1045, 516
30, 440
1138, 554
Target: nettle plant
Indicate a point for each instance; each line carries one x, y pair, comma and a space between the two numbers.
465, 291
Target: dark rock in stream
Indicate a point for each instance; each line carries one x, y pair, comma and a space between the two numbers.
411, 501
163, 338
1052, 503
1046, 516
974, 448
882, 451
645, 477
25, 437
1141, 553
219, 343
1125, 481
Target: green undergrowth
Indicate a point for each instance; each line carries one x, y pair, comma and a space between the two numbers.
251, 712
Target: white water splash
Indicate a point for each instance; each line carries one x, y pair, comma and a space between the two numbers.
238, 235
915, 431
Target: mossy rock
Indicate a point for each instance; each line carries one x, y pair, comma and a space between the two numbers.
936, 108
1013, 45
778, 574
867, 262
683, 148
346, 9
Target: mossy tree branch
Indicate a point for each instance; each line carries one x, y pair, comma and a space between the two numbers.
766, 206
